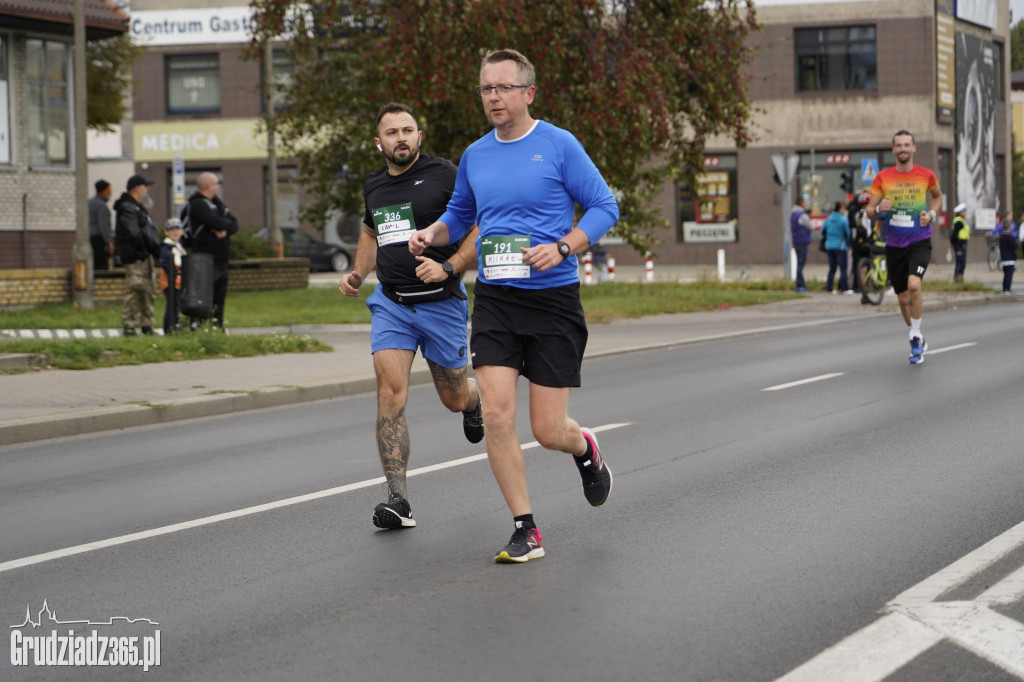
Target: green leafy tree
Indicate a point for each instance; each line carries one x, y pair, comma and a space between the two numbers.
1017, 46
642, 83
108, 75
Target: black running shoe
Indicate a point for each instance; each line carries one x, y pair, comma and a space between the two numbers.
597, 477
395, 513
473, 422
524, 545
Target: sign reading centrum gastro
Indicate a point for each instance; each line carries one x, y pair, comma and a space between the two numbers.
197, 26
192, 26
209, 139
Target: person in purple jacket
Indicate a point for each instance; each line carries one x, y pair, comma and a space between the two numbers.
800, 232
520, 183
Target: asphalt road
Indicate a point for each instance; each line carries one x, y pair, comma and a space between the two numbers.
772, 495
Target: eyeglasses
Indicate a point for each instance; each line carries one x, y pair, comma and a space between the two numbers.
503, 89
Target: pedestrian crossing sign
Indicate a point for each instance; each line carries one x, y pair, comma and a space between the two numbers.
868, 169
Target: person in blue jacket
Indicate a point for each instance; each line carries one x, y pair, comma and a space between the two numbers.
1000, 220
520, 183
836, 233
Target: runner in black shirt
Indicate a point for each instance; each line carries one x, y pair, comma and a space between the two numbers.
420, 301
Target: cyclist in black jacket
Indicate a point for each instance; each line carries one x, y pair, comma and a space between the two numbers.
209, 226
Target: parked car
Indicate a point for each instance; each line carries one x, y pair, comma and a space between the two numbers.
321, 255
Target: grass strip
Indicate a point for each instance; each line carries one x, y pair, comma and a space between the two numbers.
107, 352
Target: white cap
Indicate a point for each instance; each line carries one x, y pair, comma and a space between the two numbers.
960, 207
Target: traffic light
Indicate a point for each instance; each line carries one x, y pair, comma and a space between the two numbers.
846, 181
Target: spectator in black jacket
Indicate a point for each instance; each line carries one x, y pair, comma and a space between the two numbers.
209, 229
1007, 254
138, 245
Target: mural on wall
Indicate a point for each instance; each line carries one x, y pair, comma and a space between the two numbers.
975, 130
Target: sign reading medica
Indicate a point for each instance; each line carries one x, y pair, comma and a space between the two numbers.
192, 26
206, 140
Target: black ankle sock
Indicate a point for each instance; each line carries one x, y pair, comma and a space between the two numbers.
524, 521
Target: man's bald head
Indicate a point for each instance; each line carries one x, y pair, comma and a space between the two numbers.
207, 184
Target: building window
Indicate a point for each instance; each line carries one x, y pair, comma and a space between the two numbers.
193, 84
5, 105
708, 212
47, 72
836, 58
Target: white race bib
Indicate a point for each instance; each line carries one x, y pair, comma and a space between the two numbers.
502, 258
394, 224
901, 220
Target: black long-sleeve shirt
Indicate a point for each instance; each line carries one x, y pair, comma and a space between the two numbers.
204, 217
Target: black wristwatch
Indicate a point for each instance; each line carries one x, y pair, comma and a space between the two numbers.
448, 268
563, 249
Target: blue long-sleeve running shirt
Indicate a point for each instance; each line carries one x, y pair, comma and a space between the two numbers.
528, 187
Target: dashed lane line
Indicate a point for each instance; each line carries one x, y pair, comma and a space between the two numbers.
823, 377
248, 511
801, 382
959, 346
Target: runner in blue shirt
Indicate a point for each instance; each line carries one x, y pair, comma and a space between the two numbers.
520, 184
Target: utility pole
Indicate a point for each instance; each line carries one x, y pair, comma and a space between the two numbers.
268, 97
785, 167
81, 253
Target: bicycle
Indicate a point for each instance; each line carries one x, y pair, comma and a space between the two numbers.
992, 240
874, 277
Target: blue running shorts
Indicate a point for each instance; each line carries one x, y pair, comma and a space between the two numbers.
437, 328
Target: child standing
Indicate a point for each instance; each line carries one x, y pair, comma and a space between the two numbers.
171, 251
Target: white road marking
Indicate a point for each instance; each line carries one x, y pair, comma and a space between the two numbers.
248, 511
917, 620
959, 346
811, 380
871, 654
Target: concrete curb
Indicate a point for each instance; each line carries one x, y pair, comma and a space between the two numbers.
22, 360
87, 421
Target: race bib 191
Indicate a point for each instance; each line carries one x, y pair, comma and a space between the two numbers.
394, 224
502, 258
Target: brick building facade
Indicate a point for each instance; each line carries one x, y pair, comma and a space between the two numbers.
37, 159
911, 55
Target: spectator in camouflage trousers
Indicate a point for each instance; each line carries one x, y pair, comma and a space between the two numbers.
139, 247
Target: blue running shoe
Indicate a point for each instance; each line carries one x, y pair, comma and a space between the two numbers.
918, 347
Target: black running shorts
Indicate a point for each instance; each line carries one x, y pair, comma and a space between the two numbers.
540, 332
903, 261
